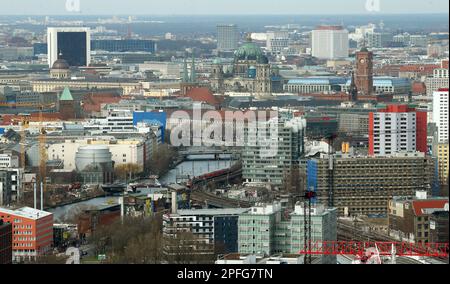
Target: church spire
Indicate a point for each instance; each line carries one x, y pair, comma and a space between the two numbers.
353, 90
185, 72
193, 74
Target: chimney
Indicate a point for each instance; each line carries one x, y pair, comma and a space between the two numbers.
174, 202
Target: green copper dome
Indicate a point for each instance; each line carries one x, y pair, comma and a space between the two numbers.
250, 51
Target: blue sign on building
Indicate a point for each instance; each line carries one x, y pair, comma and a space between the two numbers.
154, 118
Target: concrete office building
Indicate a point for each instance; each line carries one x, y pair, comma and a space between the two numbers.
418, 40
330, 42
74, 43
124, 45
10, 185
438, 81
227, 37
363, 185
378, 39
354, 123
9, 161
269, 229
216, 227
277, 41
259, 164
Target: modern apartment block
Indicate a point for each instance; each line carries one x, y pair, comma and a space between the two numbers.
217, 228
440, 140
32, 231
271, 159
397, 128
440, 113
363, 185
270, 229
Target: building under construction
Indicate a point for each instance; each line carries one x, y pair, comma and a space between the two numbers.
362, 185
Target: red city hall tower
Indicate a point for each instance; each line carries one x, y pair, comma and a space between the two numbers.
364, 71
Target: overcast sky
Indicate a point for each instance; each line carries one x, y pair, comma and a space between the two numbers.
214, 7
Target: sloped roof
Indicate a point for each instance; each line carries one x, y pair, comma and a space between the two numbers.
66, 95
202, 95
421, 205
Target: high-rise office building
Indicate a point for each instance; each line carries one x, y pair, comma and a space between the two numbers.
397, 128
73, 44
259, 165
227, 37
330, 42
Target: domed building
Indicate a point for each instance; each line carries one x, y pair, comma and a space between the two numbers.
60, 69
251, 71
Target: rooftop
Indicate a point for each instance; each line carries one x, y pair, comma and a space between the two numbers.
212, 212
27, 212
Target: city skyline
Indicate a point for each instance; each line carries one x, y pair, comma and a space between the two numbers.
222, 7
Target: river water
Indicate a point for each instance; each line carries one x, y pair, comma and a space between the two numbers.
187, 168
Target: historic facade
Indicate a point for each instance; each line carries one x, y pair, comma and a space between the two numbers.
250, 72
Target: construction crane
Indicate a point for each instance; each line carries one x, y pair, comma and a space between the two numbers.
309, 196
359, 249
25, 121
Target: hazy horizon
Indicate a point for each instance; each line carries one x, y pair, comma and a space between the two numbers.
221, 7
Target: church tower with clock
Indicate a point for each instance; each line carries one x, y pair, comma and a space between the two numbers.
364, 71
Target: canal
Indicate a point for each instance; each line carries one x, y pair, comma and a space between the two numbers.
187, 168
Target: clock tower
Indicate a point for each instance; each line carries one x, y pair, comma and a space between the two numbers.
364, 71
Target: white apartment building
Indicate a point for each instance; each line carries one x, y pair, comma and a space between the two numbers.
394, 132
440, 114
330, 42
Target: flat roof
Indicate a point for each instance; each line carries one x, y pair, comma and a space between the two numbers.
27, 212
220, 211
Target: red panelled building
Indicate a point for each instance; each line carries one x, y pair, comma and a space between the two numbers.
397, 128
